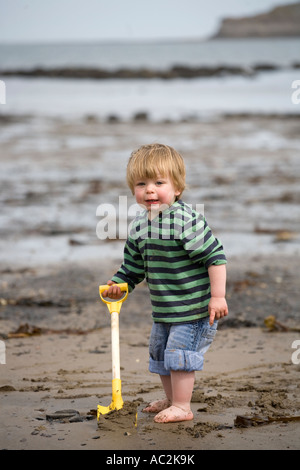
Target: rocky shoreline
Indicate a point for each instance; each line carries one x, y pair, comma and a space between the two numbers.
178, 71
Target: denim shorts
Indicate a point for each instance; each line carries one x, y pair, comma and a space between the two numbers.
180, 346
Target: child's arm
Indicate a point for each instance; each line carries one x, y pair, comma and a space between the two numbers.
132, 271
217, 307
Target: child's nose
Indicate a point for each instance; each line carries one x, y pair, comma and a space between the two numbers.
150, 188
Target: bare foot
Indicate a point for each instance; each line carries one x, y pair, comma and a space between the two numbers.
173, 414
157, 406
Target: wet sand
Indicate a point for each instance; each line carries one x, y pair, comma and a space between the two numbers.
57, 331
247, 372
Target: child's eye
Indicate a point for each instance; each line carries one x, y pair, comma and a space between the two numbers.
159, 183
140, 183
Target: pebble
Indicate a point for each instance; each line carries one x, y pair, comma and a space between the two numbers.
63, 414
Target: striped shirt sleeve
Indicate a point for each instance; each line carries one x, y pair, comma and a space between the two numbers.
200, 243
132, 270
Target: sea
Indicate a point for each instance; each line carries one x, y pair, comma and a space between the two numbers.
268, 90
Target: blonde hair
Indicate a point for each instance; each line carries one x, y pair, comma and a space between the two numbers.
156, 159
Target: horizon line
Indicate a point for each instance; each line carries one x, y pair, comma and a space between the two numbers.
117, 41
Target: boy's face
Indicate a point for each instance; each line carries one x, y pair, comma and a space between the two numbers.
155, 194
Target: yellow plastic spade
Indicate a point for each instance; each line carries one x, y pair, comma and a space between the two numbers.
114, 308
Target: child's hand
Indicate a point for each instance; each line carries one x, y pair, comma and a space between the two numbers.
217, 308
114, 292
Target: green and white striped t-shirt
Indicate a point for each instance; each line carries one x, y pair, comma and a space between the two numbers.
173, 253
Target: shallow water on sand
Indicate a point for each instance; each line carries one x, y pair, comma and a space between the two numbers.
244, 172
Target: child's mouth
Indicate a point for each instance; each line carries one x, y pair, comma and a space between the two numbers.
152, 201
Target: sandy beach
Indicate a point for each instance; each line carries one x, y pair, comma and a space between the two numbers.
56, 331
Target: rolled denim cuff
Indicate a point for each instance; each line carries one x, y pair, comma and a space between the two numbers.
182, 359
158, 367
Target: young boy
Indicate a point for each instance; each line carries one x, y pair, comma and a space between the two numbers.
184, 265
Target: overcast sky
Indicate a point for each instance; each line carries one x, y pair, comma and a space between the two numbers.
85, 20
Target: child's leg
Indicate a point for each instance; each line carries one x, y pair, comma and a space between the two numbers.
196, 338
182, 384
182, 388
158, 341
159, 405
